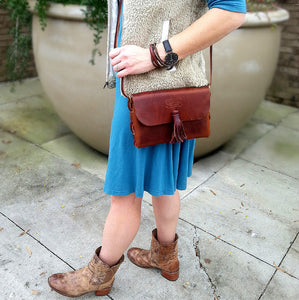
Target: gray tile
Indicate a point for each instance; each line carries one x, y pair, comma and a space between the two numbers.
48, 195
291, 261
205, 168
235, 274
23, 274
246, 136
283, 287
72, 149
28, 88
33, 119
244, 204
291, 121
277, 150
269, 112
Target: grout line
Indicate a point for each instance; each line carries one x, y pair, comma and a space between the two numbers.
265, 167
56, 156
290, 128
44, 246
37, 241
258, 121
14, 101
206, 180
56, 138
195, 226
254, 142
291, 244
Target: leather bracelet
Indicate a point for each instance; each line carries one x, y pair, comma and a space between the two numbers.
155, 57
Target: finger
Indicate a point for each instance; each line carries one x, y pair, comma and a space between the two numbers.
123, 73
116, 61
120, 66
117, 68
114, 52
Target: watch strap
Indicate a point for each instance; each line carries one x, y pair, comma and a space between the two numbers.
167, 46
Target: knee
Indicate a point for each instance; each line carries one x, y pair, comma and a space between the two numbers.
126, 202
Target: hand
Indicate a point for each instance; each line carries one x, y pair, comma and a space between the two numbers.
130, 59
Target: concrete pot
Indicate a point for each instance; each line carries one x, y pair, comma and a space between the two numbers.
243, 62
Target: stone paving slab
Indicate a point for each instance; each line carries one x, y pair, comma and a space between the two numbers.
29, 87
282, 287
234, 273
277, 150
291, 121
24, 276
243, 205
33, 119
44, 193
272, 113
72, 149
245, 137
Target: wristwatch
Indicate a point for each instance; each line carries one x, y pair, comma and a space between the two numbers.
171, 58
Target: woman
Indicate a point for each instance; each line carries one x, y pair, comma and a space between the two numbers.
163, 169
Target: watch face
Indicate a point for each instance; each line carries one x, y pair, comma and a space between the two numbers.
171, 59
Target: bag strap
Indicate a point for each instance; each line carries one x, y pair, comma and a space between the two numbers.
116, 40
211, 62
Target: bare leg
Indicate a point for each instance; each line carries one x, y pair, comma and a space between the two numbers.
121, 226
166, 210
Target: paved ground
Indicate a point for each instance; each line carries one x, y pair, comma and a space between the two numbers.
238, 225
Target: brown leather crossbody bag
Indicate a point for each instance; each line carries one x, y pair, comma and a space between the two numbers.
170, 116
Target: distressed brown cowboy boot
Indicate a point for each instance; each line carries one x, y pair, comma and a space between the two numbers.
97, 276
161, 256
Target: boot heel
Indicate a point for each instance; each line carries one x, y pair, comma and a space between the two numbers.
170, 275
103, 292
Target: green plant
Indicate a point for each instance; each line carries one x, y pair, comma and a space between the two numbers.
261, 5
95, 15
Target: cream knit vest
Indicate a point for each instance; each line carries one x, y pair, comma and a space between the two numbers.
142, 25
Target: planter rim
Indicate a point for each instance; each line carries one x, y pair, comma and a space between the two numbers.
252, 19
268, 18
60, 11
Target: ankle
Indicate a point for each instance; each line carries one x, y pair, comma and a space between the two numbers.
110, 261
165, 239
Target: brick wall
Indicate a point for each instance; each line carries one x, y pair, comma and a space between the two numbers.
285, 85
5, 40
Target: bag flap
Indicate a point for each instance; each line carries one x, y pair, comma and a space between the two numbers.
155, 107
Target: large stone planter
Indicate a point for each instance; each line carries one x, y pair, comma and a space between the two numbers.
243, 66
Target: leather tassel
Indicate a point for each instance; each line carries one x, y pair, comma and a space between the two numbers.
178, 133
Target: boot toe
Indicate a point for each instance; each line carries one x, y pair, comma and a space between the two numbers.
133, 254
56, 283
52, 280
139, 257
